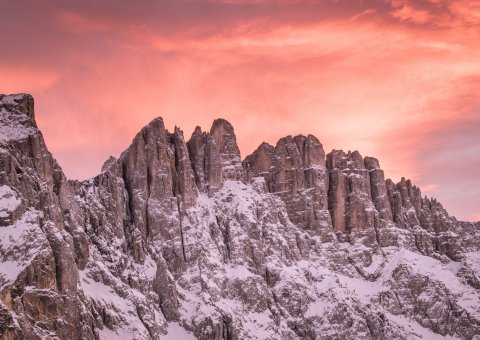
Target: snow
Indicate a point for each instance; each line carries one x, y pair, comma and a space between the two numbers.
427, 266
150, 267
106, 334
100, 292
238, 197
332, 288
14, 126
20, 243
320, 307
421, 265
238, 272
9, 201
415, 330
472, 259
258, 326
176, 332
10, 99
195, 306
9, 271
361, 289
317, 167
120, 307
147, 269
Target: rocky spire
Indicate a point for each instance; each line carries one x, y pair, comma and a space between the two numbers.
226, 142
206, 160
378, 188
350, 202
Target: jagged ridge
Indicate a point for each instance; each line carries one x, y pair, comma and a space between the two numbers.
184, 238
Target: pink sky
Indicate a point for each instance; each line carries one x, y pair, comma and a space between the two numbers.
397, 79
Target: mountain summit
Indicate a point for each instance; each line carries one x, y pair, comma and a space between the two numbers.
181, 239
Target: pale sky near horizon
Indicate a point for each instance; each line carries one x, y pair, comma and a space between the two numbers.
395, 79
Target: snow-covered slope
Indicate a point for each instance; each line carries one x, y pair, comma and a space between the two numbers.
183, 240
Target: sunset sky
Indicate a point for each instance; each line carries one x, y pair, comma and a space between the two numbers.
395, 79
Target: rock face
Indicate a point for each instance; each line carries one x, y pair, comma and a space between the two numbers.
181, 239
295, 171
43, 242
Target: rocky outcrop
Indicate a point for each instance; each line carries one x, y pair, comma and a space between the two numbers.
295, 171
183, 239
215, 156
226, 143
350, 203
378, 189
206, 161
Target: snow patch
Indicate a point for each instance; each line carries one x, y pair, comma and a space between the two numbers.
127, 324
20, 243
238, 272
238, 197
9, 201
445, 273
14, 126
177, 332
415, 330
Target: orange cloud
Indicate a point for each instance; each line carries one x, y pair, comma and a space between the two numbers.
26, 78
386, 80
409, 13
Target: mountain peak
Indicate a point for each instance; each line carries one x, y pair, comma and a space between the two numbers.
218, 122
224, 136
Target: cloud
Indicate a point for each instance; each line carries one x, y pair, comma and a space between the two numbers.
442, 147
80, 24
397, 80
26, 78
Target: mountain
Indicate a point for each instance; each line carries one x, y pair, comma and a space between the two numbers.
182, 239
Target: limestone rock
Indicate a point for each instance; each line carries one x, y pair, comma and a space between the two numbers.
226, 143
350, 198
206, 161
295, 171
